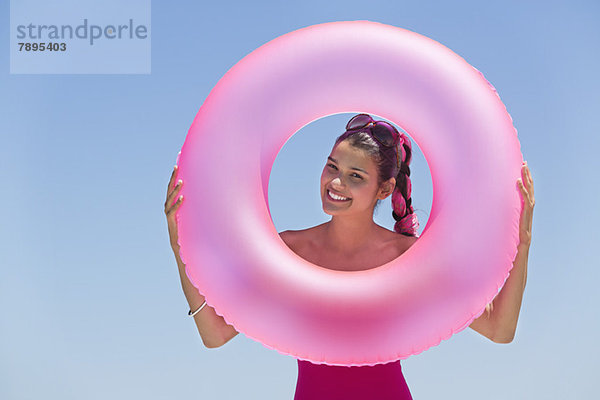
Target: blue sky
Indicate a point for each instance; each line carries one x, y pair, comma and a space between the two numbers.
92, 303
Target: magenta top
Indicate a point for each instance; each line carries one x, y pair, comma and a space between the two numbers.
321, 381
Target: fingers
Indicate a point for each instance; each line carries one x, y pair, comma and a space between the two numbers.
170, 185
174, 207
523, 190
526, 173
526, 193
525, 184
528, 182
527, 207
528, 203
172, 191
173, 194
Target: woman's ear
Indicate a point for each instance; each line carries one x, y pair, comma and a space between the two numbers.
386, 188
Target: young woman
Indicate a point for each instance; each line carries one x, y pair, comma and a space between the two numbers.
368, 163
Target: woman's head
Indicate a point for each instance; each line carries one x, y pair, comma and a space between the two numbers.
362, 168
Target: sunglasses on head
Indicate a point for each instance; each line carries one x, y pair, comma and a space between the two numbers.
383, 132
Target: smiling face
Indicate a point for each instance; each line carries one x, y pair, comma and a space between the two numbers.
350, 175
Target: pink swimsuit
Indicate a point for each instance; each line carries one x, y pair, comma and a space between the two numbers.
325, 382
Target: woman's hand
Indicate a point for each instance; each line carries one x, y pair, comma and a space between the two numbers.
171, 209
526, 186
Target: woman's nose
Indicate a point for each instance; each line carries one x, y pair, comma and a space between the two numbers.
336, 182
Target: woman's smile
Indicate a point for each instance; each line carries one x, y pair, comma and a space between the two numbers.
335, 197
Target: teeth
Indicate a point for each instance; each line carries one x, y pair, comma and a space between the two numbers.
335, 196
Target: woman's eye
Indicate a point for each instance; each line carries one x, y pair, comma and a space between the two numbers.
354, 175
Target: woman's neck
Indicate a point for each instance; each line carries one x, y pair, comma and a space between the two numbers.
349, 234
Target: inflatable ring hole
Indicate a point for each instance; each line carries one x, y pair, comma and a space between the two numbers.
293, 195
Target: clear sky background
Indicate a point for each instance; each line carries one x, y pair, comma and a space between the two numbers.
92, 306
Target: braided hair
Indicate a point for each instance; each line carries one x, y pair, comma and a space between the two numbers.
385, 158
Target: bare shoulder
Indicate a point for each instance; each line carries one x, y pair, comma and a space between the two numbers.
290, 236
403, 242
410, 240
295, 239
287, 236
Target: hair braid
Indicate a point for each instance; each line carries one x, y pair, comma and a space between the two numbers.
406, 220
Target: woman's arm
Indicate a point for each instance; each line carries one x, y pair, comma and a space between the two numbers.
213, 329
499, 321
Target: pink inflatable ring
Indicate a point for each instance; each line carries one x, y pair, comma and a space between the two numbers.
233, 253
